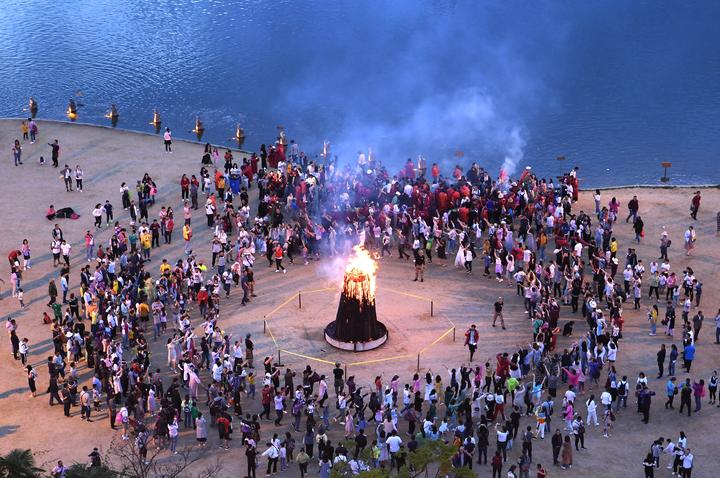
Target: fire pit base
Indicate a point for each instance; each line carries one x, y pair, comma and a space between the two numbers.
356, 346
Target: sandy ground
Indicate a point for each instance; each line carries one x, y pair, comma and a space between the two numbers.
110, 157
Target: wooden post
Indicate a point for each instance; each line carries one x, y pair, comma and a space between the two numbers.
279, 362
453, 334
432, 308
299, 299
264, 326
665, 166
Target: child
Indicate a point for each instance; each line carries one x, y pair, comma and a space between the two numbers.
251, 385
41, 161
32, 377
498, 268
25, 130
20, 296
283, 457
24, 348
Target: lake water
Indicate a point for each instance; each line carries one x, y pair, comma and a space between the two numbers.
614, 86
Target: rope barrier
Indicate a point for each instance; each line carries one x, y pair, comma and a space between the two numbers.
386, 359
298, 295
438, 339
319, 290
307, 357
271, 334
427, 299
292, 297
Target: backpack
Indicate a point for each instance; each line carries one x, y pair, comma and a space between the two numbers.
621, 388
496, 461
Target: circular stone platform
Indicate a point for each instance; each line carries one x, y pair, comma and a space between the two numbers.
355, 346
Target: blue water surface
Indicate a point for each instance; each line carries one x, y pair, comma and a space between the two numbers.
615, 86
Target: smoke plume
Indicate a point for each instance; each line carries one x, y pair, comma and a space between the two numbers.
448, 82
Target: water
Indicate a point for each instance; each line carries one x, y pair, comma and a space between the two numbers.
614, 86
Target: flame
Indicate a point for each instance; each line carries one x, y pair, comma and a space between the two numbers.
359, 278
503, 175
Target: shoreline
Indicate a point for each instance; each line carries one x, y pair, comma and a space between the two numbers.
244, 151
125, 130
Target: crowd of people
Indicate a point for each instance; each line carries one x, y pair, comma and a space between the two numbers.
528, 233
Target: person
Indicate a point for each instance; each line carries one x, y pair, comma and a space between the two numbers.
167, 137
272, 453
419, 261
697, 322
85, 400
695, 205
79, 178
687, 463
557, 444
698, 393
686, 392
496, 462
567, 453
223, 426
187, 235
498, 312
649, 466
59, 471
173, 434
472, 338
17, 152
661, 360
55, 146
32, 378
633, 208
201, 433
665, 244
690, 238
638, 226
393, 443
95, 460
644, 401
302, 460
712, 388
688, 356
579, 431
278, 254
251, 456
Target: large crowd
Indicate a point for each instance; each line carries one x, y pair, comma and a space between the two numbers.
106, 312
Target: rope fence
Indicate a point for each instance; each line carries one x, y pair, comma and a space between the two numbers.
298, 295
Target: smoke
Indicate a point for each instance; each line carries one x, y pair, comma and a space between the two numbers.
455, 83
514, 152
457, 127
332, 271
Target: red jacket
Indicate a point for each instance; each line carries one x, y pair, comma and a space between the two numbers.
503, 366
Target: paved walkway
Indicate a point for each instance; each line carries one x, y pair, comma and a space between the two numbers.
110, 157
